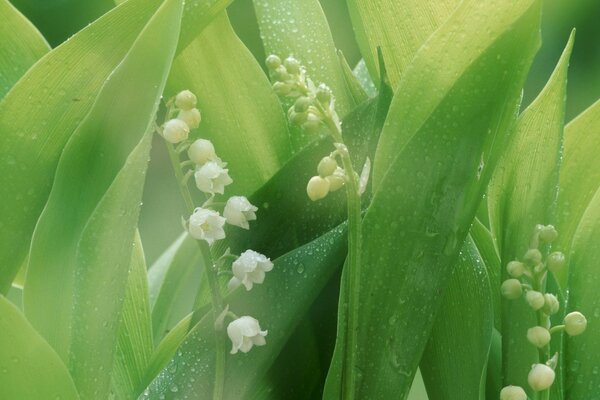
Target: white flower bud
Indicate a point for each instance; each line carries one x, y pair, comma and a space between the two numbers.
244, 333
548, 234
302, 104
551, 304
556, 261
575, 323
175, 131
513, 393
538, 336
206, 225
317, 188
327, 166
533, 257
212, 177
516, 269
323, 94
185, 100
535, 299
337, 179
312, 123
292, 65
191, 117
511, 289
238, 211
282, 89
541, 377
273, 62
202, 151
248, 269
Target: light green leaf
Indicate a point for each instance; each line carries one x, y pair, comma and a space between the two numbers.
299, 28
241, 113
354, 86
579, 177
287, 292
399, 27
364, 79
522, 194
29, 368
464, 321
454, 108
74, 292
69, 78
21, 45
134, 344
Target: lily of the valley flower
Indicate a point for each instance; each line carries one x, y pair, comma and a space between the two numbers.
202, 151
206, 225
244, 333
238, 211
175, 131
249, 268
212, 177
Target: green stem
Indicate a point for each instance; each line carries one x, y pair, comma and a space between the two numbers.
352, 266
542, 320
211, 277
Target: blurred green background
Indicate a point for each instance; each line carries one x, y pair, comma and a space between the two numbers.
161, 212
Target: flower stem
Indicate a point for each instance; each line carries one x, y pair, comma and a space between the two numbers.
543, 321
352, 265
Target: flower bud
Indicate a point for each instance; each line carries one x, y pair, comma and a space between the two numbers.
538, 336
297, 118
302, 104
323, 94
317, 188
185, 100
292, 65
513, 393
282, 89
511, 289
556, 261
516, 269
548, 234
575, 323
190, 117
327, 166
273, 62
535, 299
175, 131
281, 74
336, 180
202, 151
312, 123
541, 377
551, 304
533, 257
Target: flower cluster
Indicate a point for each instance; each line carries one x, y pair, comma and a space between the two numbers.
528, 278
207, 224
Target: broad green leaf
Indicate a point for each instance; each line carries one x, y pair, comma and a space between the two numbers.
464, 321
21, 45
581, 352
74, 292
29, 368
523, 193
455, 106
299, 28
581, 147
134, 344
399, 27
286, 293
354, 86
68, 79
241, 113
174, 280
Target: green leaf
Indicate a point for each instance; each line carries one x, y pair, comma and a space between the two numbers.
522, 194
69, 77
21, 45
364, 79
134, 344
580, 159
74, 292
241, 113
29, 368
400, 28
464, 321
288, 291
454, 108
299, 28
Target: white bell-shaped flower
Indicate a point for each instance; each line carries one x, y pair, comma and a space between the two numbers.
244, 333
212, 177
513, 393
205, 224
540, 377
185, 100
175, 131
202, 151
238, 211
249, 268
191, 117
